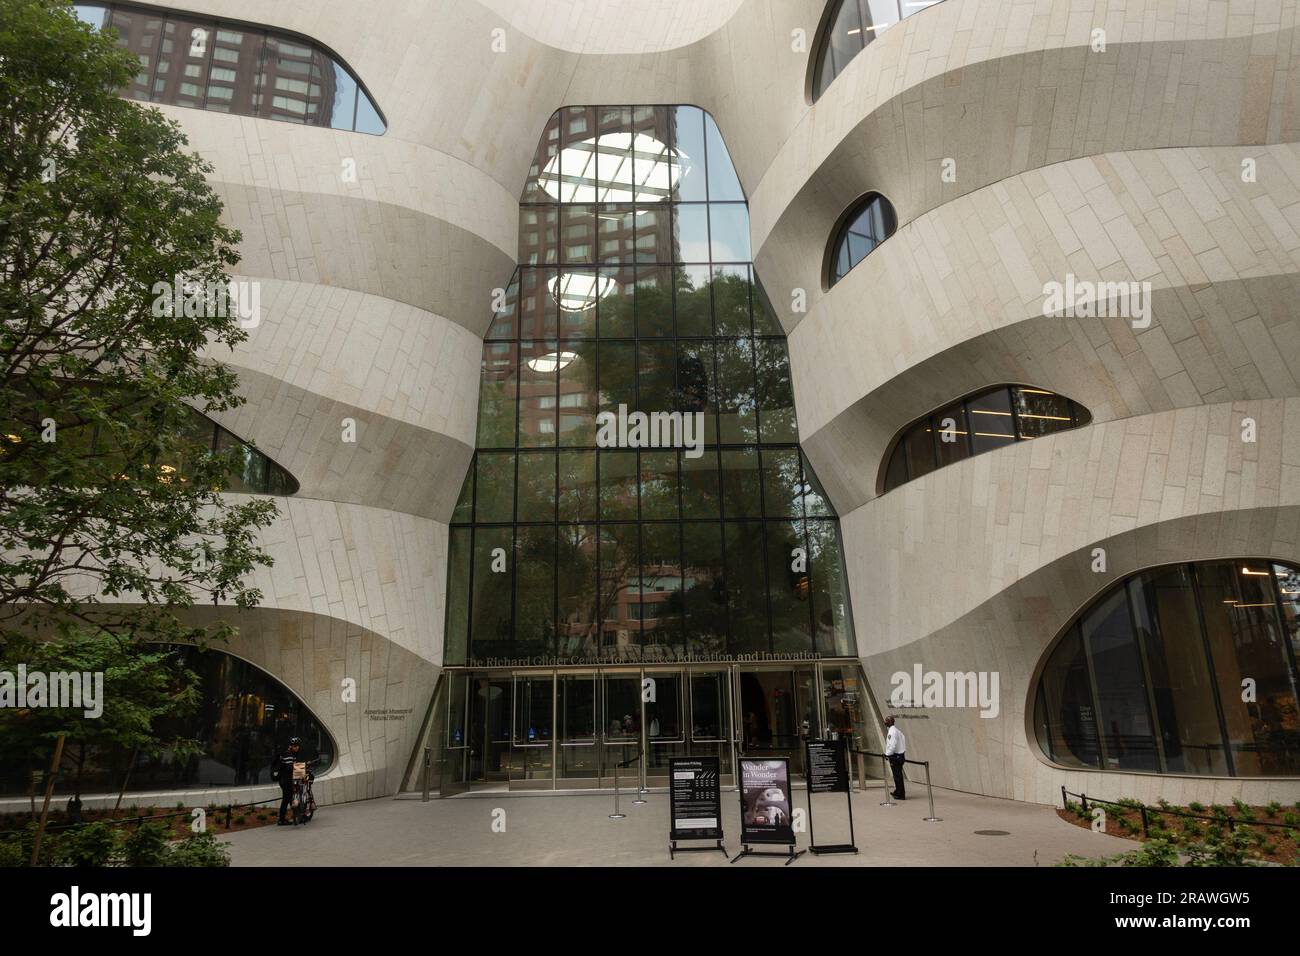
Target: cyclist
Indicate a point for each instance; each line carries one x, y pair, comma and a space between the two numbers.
283, 771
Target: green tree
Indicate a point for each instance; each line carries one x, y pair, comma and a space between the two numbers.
144, 685
106, 492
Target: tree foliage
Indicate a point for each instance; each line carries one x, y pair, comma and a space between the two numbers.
110, 509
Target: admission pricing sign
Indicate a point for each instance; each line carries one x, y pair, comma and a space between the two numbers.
694, 803
695, 798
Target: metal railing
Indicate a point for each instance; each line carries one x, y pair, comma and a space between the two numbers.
889, 801
1143, 810
137, 819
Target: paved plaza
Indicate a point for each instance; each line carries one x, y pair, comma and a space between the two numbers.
575, 830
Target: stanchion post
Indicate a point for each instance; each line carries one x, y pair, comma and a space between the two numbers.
889, 796
641, 791
616, 815
428, 760
930, 792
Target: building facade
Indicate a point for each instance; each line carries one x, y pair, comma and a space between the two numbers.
1010, 284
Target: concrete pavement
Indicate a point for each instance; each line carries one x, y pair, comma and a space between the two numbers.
575, 830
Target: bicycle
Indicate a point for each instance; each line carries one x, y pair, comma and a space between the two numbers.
302, 803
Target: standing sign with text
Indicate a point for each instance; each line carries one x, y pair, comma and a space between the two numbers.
828, 772
765, 812
694, 802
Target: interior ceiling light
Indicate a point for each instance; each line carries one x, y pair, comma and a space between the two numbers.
615, 167
1261, 574
578, 291
551, 361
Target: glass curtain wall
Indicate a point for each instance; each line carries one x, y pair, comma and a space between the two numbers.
638, 492
1189, 668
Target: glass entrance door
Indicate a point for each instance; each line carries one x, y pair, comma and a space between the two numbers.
489, 730
779, 710
620, 726
455, 744
532, 741
664, 701
578, 754
709, 725
568, 728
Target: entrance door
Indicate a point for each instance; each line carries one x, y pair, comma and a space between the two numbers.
532, 741
779, 710
455, 744
620, 727
665, 730
578, 755
708, 728
489, 731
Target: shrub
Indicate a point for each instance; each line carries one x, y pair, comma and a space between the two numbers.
1273, 808
146, 845
1196, 807
11, 851
91, 844
1150, 853
198, 849
239, 820
1230, 850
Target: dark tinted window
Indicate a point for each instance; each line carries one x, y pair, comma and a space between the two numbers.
244, 716
1182, 669
189, 60
867, 226
980, 423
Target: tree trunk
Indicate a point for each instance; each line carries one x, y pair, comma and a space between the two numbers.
49, 790
126, 779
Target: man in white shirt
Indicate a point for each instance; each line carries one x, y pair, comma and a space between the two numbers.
895, 753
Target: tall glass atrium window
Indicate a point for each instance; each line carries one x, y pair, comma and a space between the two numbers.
638, 487
850, 26
192, 60
981, 422
1189, 668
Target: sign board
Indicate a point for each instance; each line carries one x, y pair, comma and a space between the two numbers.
828, 772
765, 811
828, 769
695, 798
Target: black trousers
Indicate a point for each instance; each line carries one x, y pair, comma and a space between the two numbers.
896, 764
286, 795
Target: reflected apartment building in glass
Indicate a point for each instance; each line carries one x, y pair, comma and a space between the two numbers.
701, 383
